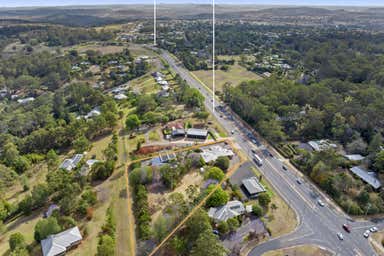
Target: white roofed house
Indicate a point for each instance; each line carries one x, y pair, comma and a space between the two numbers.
230, 210
62, 242
212, 153
71, 163
368, 176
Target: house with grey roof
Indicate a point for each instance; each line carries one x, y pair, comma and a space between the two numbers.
252, 187
71, 163
212, 153
368, 176
194, 133
230, 210
62, 242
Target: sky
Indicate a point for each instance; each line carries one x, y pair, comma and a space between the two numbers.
26, 3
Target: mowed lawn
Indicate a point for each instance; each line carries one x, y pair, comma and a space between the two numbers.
305, 250
235, 75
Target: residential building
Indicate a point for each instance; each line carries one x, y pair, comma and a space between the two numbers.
354, 157
230, 210
62, 242
177, 133
212, 153
194, 133
252, 187
368, 176
71, 163
25, 100
321, 145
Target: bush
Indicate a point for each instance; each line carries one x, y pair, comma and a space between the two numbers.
264, 200
46, 227
214, 173
257, 210
223, 227
16, 241
218, 198
222, 162
233, 224
106, 246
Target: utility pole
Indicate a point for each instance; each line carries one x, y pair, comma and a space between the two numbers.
213, 56
154, 23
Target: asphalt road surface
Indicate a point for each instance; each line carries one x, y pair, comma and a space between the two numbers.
318, 225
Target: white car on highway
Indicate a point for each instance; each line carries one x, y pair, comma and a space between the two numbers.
340, 236
321, 203
366, 234
373, 229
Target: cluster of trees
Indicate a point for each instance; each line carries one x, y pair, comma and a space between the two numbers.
196, 238
107, 238
352, 194
102, 170
171, 176
63, 36
138, 178
39, 69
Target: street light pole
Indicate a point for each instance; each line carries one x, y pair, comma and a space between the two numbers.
213, 55
154, 23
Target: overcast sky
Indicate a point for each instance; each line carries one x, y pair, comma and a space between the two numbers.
23, 3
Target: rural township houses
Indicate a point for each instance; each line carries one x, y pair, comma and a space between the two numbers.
320, 145
367, 176
194, 133
71, 163
60, 243
252, 187
230, 210
212, 153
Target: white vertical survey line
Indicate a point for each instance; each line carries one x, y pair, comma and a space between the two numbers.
154, 23
213, 55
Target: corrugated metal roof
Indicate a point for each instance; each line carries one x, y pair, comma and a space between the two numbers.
197, 132
253, 186
366, 175
57, 244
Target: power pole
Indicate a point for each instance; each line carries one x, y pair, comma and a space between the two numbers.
213, 55
154, 23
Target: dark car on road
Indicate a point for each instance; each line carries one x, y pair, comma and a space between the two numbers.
347, 228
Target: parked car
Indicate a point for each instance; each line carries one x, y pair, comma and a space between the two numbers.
347, 228
373, 229
340, 236
215, 232
366, 234
321, 203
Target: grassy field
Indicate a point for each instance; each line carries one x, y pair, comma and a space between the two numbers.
305, 250
376, 241
235, 75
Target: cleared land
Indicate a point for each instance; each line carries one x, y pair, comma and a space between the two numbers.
234, 76
305, 250
376, 240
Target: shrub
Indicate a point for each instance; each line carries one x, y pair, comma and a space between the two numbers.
223, 227
264, 200
16, 240
214, 173
257, 210
222, 162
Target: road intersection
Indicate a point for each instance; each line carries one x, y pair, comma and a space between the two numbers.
317, 225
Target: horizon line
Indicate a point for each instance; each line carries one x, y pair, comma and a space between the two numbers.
222, 4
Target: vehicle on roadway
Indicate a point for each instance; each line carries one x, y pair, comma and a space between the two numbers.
347, 228
321, 203
340, 236
233, 131
373, 229
366, 234
258, 160
284, 167
299, 181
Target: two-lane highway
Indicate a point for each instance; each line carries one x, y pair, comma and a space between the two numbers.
318, 225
